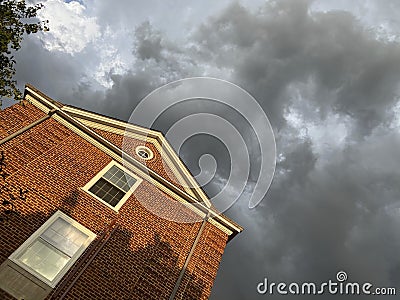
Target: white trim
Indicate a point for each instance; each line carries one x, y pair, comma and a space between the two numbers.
138, 129
36, 103
146, 134
221, 223
52, 283
147, 139
101, 173
143, 174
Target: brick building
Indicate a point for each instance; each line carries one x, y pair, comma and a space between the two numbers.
78, 221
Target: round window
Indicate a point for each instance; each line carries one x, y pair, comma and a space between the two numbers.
144, 152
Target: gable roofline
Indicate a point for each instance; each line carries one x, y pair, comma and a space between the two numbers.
113, 125
64, 114
178, 167
41, 94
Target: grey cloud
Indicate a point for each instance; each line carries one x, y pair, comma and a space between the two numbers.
148, 42
288, 43
53, 72
318, 221
126, 92
177, 19
330, 217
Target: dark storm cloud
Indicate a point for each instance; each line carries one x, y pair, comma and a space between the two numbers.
149, 42
318, 218
288, 43
64, 77
126, 92
53, 72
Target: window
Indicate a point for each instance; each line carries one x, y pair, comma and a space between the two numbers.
113, 185
144, 152
53, 248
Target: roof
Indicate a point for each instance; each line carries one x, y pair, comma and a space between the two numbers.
97, 128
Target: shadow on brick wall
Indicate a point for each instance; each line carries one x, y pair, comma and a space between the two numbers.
16, 229
150, 272
13, 232
120, 270
70, 201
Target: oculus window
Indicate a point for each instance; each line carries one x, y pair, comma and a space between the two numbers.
144, 152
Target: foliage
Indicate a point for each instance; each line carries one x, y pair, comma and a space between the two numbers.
16, 19
7, 192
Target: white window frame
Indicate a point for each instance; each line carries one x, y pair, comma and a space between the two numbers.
52, 283
101, 173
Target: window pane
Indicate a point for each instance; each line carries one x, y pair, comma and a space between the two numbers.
107, 192
64, 236
95, 188
111, 172
113, 185
119, 175
44, 259
125, 182
100, 188
101, 193
125, 187
120, 179
121, 183
128, 183
116, 198
131, 181
107, 198
143, 154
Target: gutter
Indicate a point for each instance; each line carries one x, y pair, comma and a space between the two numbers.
22, 130
182, 273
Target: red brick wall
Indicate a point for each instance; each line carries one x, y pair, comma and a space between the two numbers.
144, 256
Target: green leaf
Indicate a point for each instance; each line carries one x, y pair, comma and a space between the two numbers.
16, 18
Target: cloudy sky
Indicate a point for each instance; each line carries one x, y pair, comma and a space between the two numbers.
326, 73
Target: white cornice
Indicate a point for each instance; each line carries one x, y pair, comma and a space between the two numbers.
63, 113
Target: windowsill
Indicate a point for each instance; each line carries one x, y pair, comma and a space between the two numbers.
14, 257
16, 281
102, 202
